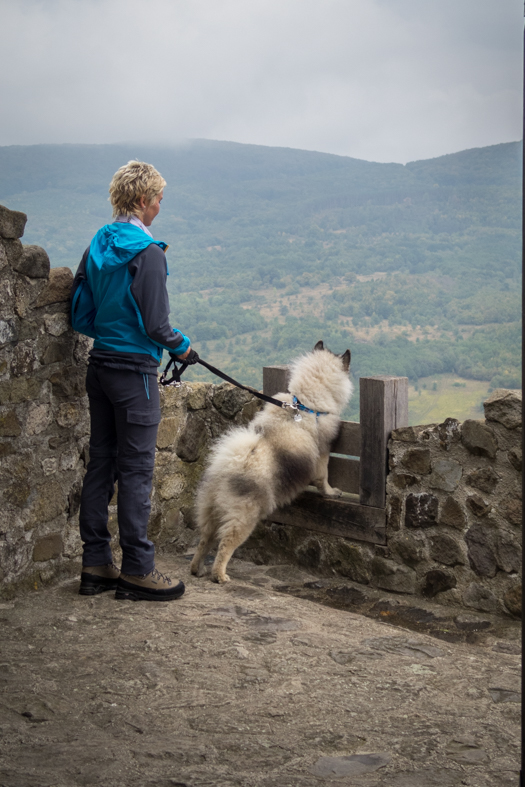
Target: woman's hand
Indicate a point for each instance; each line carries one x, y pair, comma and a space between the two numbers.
190, 356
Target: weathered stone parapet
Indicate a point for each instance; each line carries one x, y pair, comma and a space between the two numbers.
463, 504
43, 412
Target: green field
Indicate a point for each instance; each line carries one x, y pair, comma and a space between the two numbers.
446, 396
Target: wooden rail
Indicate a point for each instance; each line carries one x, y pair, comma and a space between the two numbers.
358, 462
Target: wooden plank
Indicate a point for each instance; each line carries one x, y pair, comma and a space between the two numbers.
275, 379
340, 517
348, 441
383, 407
344, 474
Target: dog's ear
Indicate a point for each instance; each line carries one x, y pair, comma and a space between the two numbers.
346, 360
319, 346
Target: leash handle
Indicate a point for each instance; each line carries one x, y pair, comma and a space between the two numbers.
175, 376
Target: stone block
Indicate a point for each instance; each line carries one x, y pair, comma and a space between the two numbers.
394, 513
197, 396
505, 407
446, 474
57, 289
512, 600
7, 448
57, 352
229, 400
69, 381
479, 438
508, 554
478, 506
478, 597
8, 332
170, 487
449, 432
417, 460
410, 549
452, 514
403, 480
23, 360
49, 502
9, 424
388, 575
309, 553
406, 434
49, 465
480, 551
12, 223
483, 478
446, 549
69, 414
352, 562
437, 581
33, 262
167, 434
38, 418
192, 439
23, 389
421, 510
56, 324
512, 512
18, 493
47, 548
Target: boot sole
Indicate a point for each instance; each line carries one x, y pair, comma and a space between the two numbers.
94, 590
144, 595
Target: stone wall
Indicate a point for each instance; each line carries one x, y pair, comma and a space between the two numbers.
454, 509
43, 417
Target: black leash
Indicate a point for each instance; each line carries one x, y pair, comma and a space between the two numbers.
177, 382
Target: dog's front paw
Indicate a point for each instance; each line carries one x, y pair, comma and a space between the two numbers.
220, 578
333, 491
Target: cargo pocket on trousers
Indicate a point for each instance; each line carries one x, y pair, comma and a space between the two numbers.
144, 417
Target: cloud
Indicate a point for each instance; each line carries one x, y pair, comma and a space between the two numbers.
384, 80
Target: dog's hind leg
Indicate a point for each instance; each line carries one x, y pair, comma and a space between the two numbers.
207, 526
232, 534
204, 546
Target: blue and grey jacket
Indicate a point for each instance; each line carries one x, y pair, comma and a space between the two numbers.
119, 297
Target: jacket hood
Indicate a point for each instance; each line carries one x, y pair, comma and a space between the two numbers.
116, 244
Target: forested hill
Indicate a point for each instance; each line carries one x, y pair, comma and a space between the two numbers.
255, 202
273, 247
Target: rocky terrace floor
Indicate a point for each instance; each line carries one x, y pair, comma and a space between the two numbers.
255, 684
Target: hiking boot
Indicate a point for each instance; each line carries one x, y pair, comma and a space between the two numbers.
149, 587
97, 579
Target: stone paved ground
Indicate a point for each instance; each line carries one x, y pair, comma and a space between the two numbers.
248, 685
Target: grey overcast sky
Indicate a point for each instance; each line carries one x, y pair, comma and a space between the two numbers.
382, 80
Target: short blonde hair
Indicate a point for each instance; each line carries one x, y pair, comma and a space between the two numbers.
134, 180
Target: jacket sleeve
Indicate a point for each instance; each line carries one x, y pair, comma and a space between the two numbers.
83, 310
150, 296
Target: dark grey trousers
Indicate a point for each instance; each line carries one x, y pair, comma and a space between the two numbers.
125, 414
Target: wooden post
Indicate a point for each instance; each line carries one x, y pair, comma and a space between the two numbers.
275, 379
383, 407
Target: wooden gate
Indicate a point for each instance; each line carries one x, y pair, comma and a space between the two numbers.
358, 462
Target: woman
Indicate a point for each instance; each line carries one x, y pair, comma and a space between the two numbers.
119, 298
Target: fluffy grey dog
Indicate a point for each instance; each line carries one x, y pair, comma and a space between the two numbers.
255, 469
